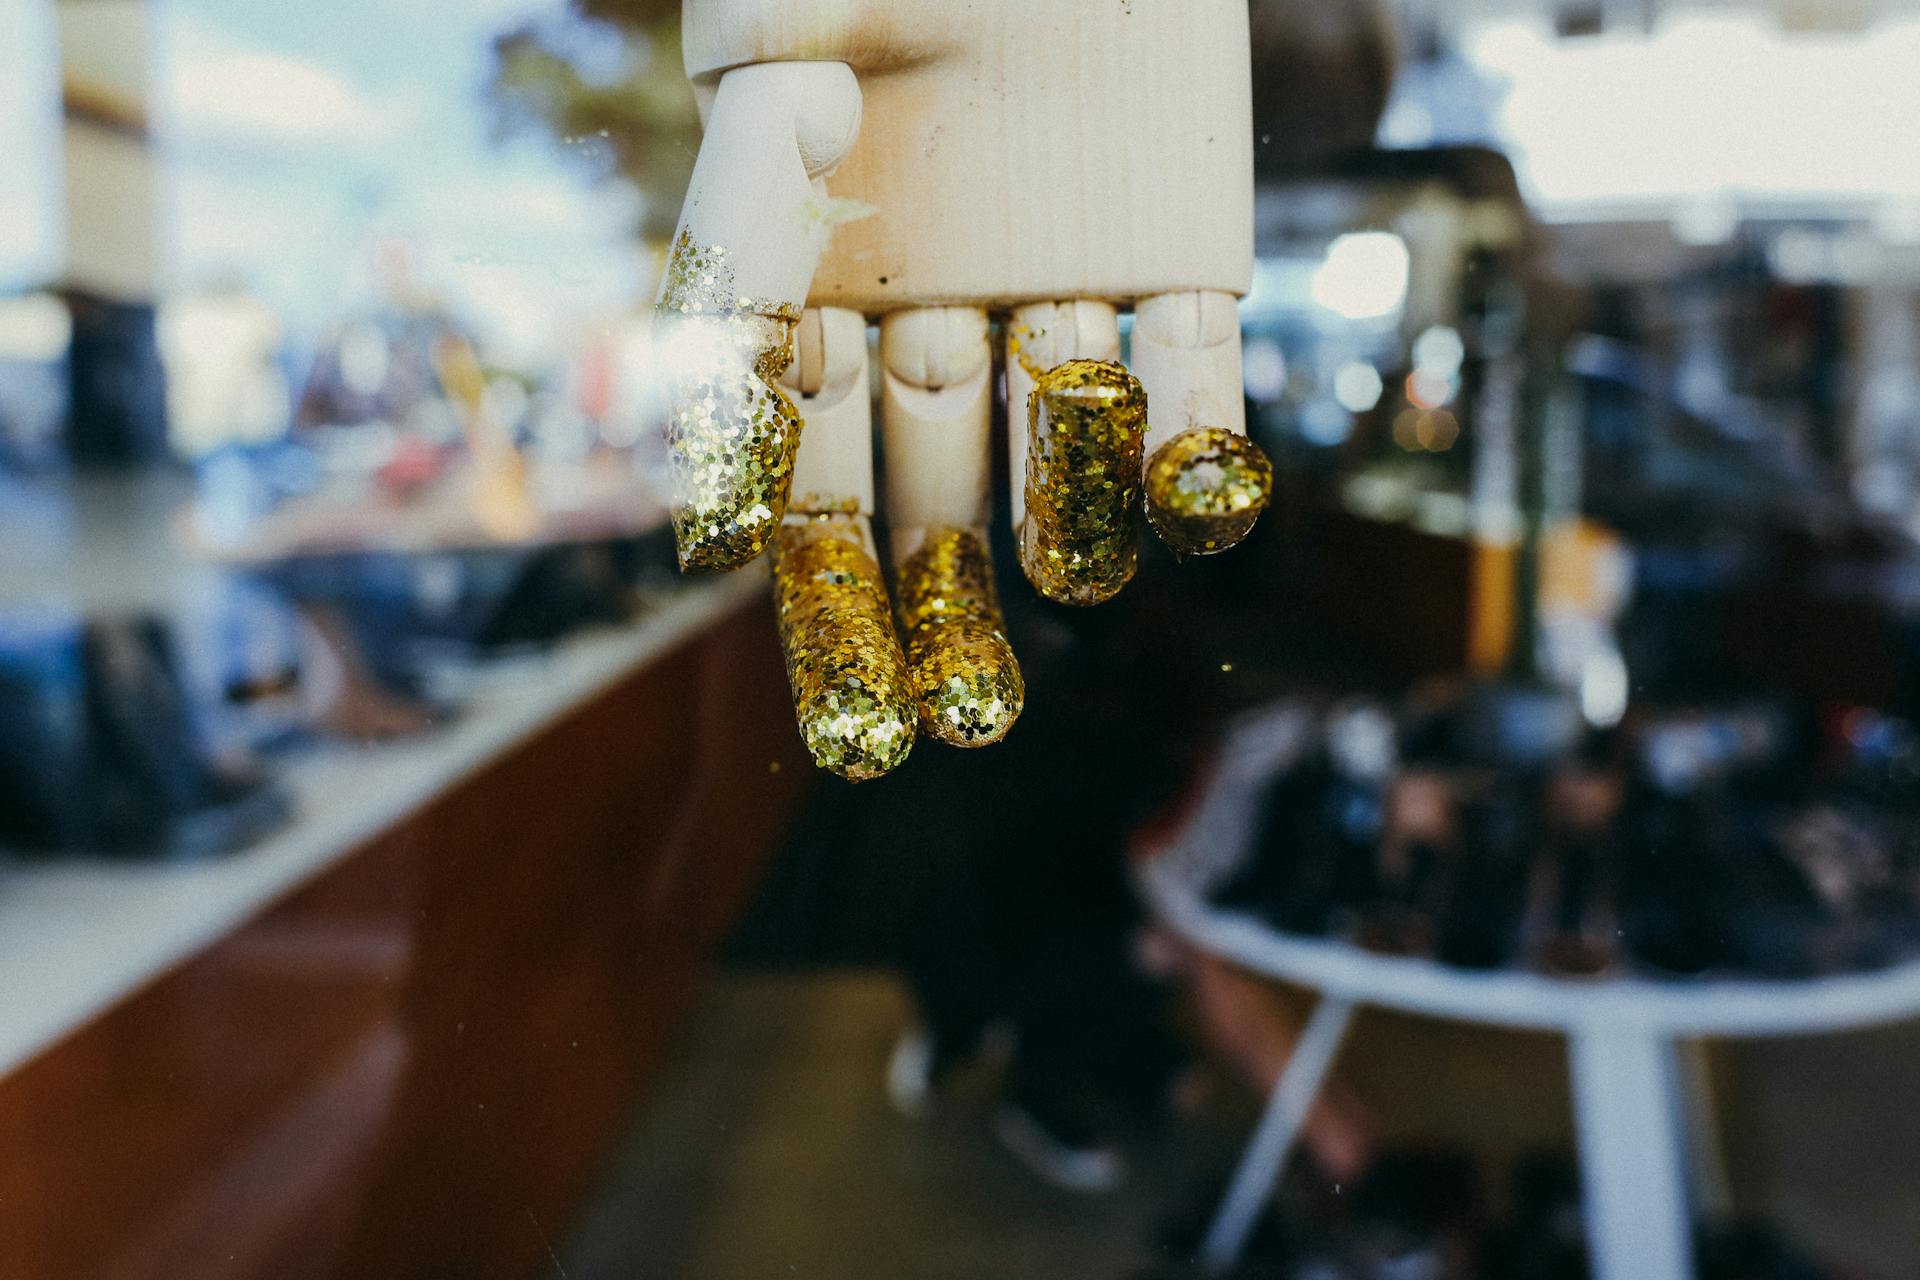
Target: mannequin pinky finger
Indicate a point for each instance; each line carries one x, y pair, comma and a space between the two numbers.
1206, 483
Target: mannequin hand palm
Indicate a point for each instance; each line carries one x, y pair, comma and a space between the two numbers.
933, 164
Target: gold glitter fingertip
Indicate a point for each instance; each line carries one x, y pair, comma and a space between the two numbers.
731, 431
1205, 489
851, 692
1086, 432
964, 672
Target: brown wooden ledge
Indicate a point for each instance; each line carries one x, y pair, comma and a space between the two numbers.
412, 1064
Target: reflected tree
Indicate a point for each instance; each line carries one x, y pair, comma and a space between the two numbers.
602, 79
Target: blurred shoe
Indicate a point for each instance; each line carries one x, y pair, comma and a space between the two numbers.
1570, 925
922, 1062
910, 1074
1480, 923
1546, 1238
1415, 1211
1058, 1150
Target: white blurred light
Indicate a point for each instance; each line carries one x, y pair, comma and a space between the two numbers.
1430, 388
504, 402
1263, 369
1407, 123
34, 329
1700, 384
1891, 395
1360, 739
31, 189
1364, 276
1706, 220
1885, 485
1798, 256
1440, 350
1898, 222
1855, 259
1325, 424
1712, 101
224, 383
1357, 386
363, 359
1604, 688
222, 88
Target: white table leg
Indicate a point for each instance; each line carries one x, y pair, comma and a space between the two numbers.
1628, 1117
1287, 1106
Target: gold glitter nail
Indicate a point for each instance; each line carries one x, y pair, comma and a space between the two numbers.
1205, 489
851, 692
964, 672
1086, 432
731, 431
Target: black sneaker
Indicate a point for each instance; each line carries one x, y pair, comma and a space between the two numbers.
1059, 1150
921, 1062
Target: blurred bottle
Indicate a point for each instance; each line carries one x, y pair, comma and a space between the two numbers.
1573, 912
1672, 886
1414, 866
1320, 826
1481, 925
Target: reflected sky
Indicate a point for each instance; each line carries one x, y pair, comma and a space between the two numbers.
29, 113
310, 150
1707, 104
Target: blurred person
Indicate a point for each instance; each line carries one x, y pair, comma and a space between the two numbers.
1014, 919
1286, 814
1021, 920
1018, 920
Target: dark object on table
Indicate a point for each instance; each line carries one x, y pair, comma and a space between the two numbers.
1674, 909
567, 587
1750, 1251
117, 401
1312, 865
1476, 827
100, 754
1288, 878
1480, 928
1546, 1238
1571, 912
402, 614
1417, 880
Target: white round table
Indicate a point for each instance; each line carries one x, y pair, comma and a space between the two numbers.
1622, 1036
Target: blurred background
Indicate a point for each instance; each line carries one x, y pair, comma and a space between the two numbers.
403, 872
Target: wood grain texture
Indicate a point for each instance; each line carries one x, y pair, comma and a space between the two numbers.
1021, 150
411, 1065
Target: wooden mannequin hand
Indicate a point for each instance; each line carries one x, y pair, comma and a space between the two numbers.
1050, 162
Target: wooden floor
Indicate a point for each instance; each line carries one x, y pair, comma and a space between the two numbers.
1825, 1133
767, 1149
